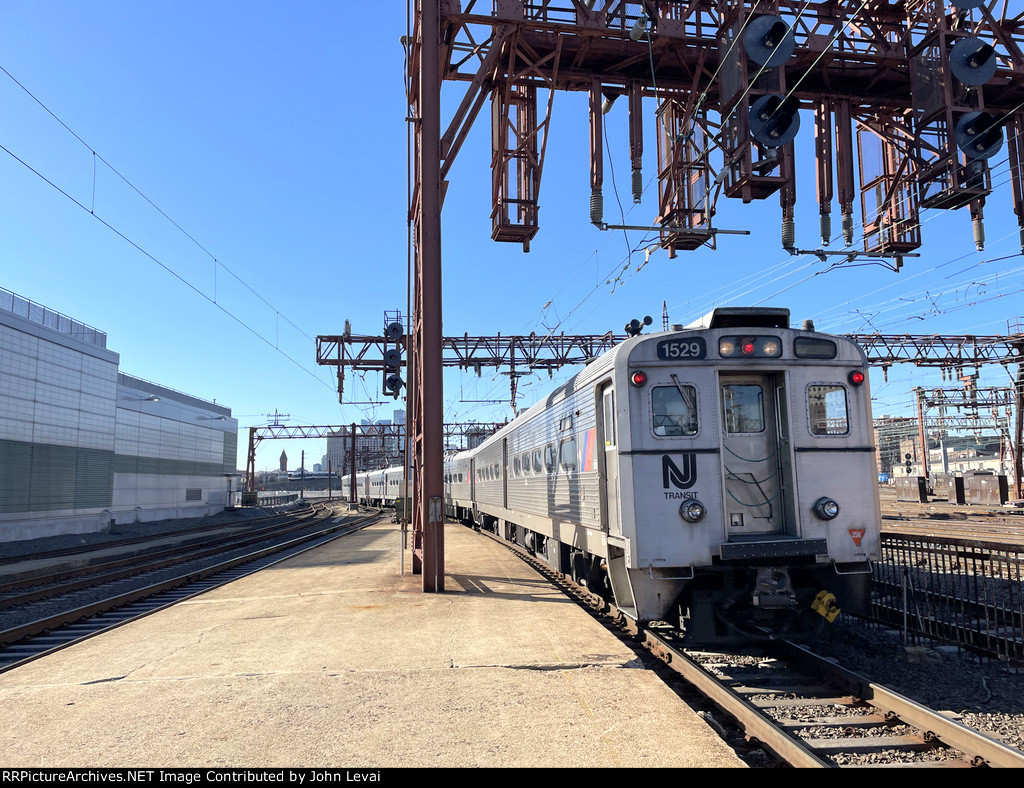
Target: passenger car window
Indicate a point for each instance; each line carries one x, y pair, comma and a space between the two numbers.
549, 457
743, 408
567, 454
538, 465
675, 410
827, 407
515, 465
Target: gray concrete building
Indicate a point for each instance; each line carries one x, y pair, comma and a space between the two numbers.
83, 446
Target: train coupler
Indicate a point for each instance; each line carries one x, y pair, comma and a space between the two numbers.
773, 589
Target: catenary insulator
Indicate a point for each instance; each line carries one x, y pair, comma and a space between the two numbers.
596, 207
979, 235
638, 185
848, 229
826, 228
788, 234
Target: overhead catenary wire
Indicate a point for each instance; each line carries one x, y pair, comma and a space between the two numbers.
96, 156
158, 261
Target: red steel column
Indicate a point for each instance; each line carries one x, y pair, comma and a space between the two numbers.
427, 353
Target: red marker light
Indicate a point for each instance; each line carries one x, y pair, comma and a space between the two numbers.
638, 379
856, 377
748, 348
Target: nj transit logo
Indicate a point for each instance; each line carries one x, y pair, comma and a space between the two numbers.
683, 478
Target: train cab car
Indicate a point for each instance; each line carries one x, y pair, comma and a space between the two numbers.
720, 472
746, 469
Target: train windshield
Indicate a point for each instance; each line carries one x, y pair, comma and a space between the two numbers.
827, 405
675, 410
743, 406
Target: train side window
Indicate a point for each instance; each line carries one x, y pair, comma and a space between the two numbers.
538, 464
515, 465
743, 408
567, 454
526, 463
549, 458
675, 410
828, 412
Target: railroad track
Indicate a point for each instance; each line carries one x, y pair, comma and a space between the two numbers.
941, 519
75, 577
804, 709
811, 712
142, 541
1006, 533
25, 642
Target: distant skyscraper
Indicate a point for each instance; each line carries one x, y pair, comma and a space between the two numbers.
284, 463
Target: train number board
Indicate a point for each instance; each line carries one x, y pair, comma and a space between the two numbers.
682, 349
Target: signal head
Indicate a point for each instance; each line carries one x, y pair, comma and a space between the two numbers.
392, 359
774, 121
979, 135
769, 41
972, 61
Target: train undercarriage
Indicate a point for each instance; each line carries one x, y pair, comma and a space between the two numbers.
719, 604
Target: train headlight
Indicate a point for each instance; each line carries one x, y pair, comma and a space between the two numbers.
692, 511
771, 347
726, 347
826, 509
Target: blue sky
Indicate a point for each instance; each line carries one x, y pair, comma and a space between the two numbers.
274, 136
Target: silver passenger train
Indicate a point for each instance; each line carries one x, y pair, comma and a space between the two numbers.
704, 476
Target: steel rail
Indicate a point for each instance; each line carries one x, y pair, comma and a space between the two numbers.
96, 574
81, 549
15, 634
948, 731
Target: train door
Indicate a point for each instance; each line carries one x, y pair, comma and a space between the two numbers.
751, 455
609, 459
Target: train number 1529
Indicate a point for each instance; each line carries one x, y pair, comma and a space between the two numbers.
677, 349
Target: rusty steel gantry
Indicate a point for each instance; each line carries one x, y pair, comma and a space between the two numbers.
389, 435
910, 100
521, 354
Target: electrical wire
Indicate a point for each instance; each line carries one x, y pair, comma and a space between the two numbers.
97, 156
159, 262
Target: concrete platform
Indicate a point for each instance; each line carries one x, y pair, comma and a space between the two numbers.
335, 659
